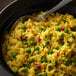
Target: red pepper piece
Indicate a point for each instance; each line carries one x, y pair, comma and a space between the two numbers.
38, 66
57, 54
62, 28
38, 40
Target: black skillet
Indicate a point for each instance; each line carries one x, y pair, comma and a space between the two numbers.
25, 7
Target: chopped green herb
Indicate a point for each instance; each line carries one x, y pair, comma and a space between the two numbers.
58, 29
24, 42
44, 60
42, 29
66, 63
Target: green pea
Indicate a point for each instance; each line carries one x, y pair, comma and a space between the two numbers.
24, 42
36, 48
25, 69
50, 52
14, 54
44, 60
49, 67
47, 42
64, 21
31, 42
58, 29
66, 30
71, 35
28, 50
60, 47
73, 60
24, 27
66, 63
62, 35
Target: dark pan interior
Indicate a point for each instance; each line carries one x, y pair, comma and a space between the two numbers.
27, 7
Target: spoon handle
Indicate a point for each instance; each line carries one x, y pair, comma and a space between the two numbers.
58, 6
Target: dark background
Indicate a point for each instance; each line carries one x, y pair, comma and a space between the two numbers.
4, 3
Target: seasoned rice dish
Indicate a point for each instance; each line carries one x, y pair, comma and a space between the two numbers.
45, 48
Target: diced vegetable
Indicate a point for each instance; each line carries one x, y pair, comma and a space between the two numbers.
43, 59
66, 30
28, 50
31, 42
25, 69
62, 28
14, 54
24, 27
62, 35
57, 53
42, 29
66, 63
71, 35
50, 52
73, 60
58, 29
38, 40
24, 42
38, 66
60, 47
36, 48
47, 42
